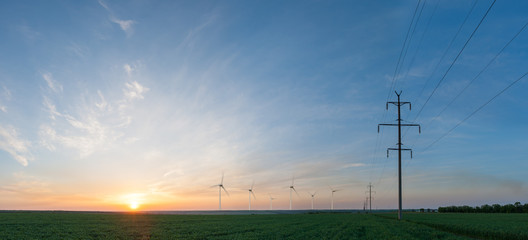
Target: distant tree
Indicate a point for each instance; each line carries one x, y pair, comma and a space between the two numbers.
496, 208
508, 208
422, 210
518, 207
466, 209
452, 209
486, 208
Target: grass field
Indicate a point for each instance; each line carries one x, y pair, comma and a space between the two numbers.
479, 225
68, 225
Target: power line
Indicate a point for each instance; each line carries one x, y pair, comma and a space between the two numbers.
448, 48
477, 76
421, 38
484, 69
443, 56
402, 51
454, 61
408, 45
478, 109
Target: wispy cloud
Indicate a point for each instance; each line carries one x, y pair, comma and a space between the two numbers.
84, 133
27, 184
193, 33
52, 84
128, 69
103, 4
5, 95
77, 49
12, 144
28, 32
134, 90
354, 165
125, 25
102, 105
95, 126
50, 108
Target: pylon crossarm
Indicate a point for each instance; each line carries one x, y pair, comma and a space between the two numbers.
409, 125
396, 149
397, 104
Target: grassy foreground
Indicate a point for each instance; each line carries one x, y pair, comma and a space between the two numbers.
67, 225
479, 225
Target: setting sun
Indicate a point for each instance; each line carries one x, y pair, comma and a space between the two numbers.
134, 205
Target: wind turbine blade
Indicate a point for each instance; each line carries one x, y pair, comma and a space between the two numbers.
295, 191
293, 178
225, 190
252, 193
253, 183
222, 182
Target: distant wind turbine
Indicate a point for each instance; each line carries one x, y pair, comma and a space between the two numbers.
220, 187
250, 192
313, 195
292, 188
333, 191
271, 201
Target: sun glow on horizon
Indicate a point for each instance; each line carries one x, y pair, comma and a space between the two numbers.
133, 205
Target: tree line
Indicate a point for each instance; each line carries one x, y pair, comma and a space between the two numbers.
495, 208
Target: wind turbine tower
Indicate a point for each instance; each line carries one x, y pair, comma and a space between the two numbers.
220, 187
292, 188
271, 201
333, 191
250, 192
313, 196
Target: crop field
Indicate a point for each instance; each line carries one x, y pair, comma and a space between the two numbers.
478, 225
74, 225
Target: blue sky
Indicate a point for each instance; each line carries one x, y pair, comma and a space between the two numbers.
108, 102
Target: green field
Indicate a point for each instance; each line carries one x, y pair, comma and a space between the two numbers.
68, 225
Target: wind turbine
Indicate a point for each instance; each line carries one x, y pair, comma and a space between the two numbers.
313, 195
271, 201
333, 191
220, 187
292, 188
250, 192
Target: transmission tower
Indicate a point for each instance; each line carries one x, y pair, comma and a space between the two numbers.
399, 149
369, 198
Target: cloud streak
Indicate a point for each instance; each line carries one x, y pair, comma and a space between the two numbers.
12, 144
125, 25
96, 126
52, 84
4, 96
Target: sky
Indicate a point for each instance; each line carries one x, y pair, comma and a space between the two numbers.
108, 104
